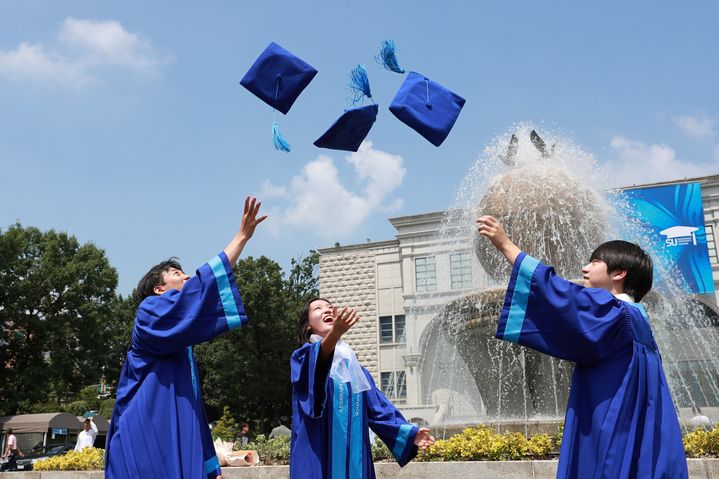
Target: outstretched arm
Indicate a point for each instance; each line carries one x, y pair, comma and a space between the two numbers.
489, 227
247, 229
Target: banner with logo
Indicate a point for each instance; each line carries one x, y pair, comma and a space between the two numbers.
674, 218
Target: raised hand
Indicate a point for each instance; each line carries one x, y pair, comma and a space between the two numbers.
343, 320
489, 227
250, 219
423, 439
247, 229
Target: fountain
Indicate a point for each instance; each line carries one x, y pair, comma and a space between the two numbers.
555, 204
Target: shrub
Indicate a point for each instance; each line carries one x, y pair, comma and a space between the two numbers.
89, 459
380, 451
482, 443
271, 451
702, 443
227, 428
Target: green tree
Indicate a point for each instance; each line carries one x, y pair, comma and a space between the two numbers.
55, 298
248, 369
118, 336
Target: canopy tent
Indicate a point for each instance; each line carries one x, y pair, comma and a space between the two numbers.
40, 422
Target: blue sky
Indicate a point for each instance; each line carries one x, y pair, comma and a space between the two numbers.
123, 122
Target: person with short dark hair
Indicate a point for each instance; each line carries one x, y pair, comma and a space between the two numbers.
620, 420
159, 427
244, 433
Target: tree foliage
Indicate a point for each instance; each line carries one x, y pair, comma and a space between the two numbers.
56, 297
248, 369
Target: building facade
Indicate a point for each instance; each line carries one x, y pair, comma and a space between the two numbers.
398, 286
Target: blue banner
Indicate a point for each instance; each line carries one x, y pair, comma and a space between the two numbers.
674, 217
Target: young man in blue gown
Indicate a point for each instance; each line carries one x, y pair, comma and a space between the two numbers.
620, 420
159, 428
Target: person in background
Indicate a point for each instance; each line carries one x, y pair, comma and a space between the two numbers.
87, 436
11, 452
244, 434
280, 429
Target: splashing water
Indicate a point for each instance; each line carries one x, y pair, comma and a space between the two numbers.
557, 204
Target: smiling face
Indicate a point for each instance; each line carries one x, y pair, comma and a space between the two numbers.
321, 315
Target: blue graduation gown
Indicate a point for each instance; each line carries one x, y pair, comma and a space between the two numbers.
330, 435
620, 420
159, 427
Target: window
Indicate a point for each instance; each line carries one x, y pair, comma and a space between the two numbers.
385, 329
387, 383
460, 268
391, 329
401, 385
393, 384
425, 274
711, 244
399, 336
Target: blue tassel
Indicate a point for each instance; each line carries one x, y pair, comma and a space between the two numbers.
388, 58
279, 141
359, 83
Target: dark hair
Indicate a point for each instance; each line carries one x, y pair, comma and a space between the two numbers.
243, 424
629, 257
303, 325
146, 286
9, 431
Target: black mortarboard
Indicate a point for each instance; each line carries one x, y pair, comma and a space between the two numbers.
348, 132
278, 77
422, 104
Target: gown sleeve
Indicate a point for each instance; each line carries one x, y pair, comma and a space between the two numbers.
544, 311
208, 305
308, 380
389, 424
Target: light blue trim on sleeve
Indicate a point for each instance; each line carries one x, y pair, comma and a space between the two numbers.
212, 464
228, 300
192, 371
401, 443
340, 415
520, 297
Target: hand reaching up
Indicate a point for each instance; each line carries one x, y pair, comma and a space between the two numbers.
250, 219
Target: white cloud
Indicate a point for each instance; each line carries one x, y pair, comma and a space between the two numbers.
698, 126
320, 202
269, 190
30, 61
639, 163
82, 48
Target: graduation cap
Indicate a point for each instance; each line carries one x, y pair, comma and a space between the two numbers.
422, 104
278, 77
350, 129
